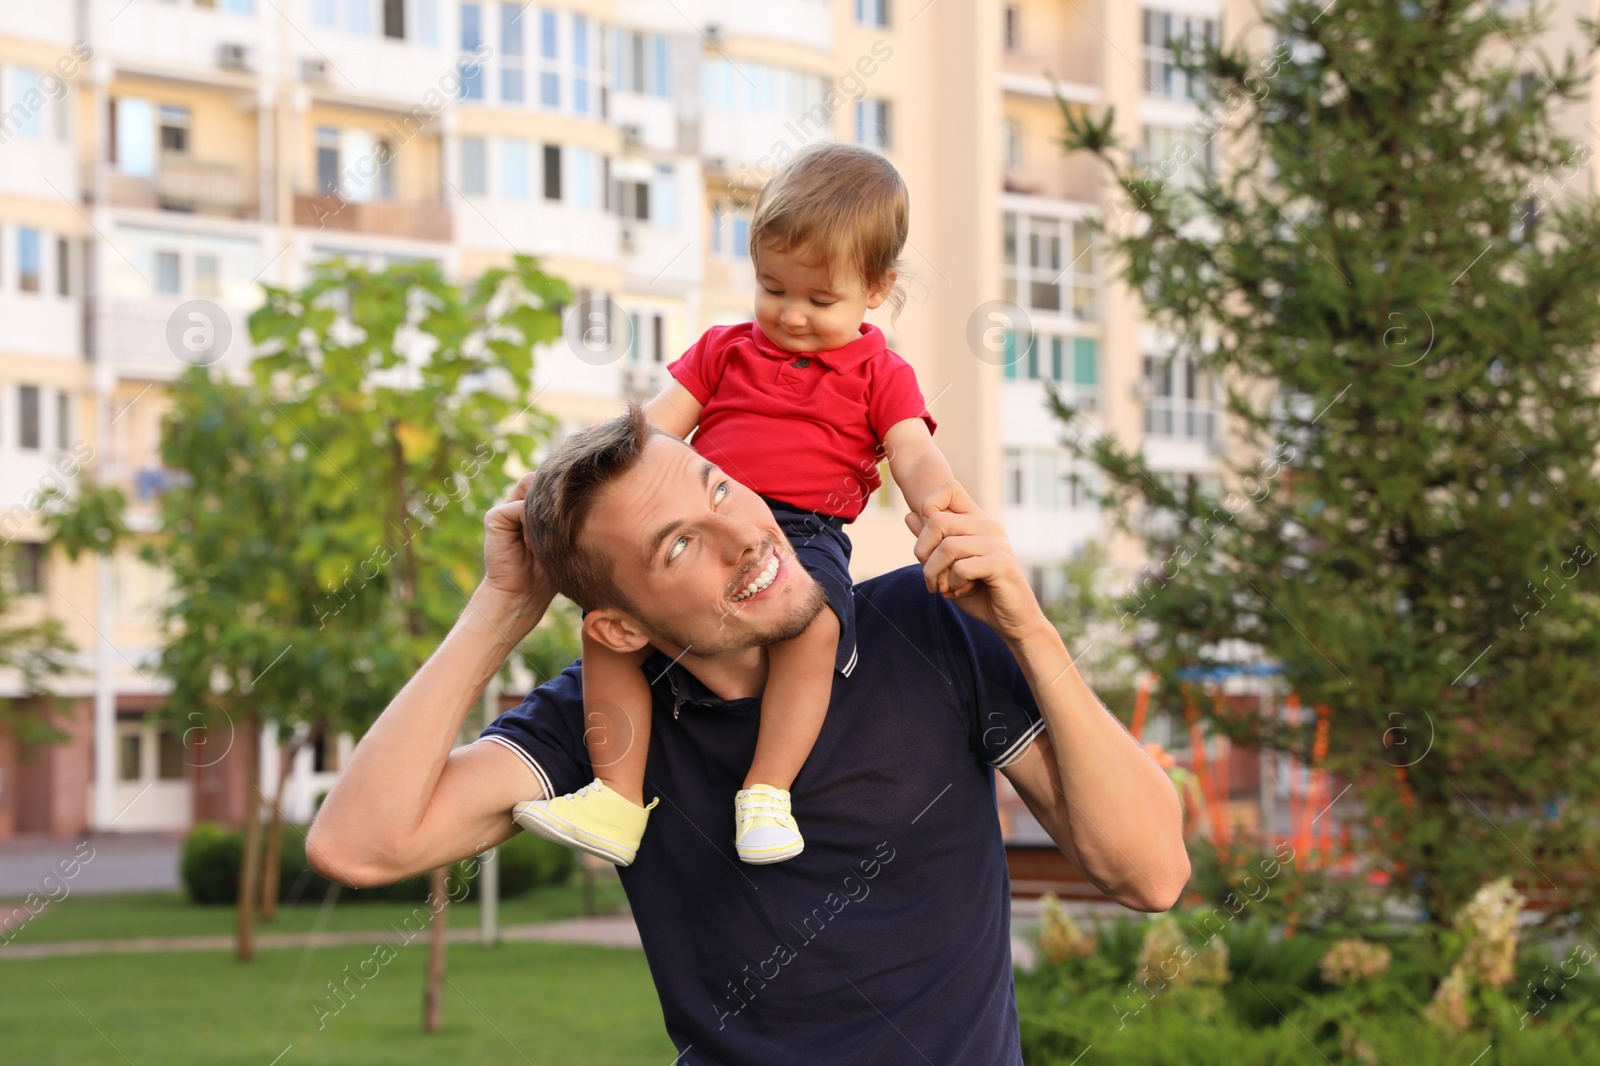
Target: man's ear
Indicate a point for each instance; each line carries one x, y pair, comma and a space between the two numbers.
614, 629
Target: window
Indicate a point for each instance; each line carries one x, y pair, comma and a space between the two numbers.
27, 100
514, 170
635, 200
133, 136
1011, 144
1178, 156
327, 161
474, 166
28, 260
63, 267
167, 273
1070, 362
169, 755
1179, 399
207, 277
643, 64
29, 567
383, 156
552, 172
872, 12
580, 64
1040, 479
394, 19
549, 61
63, 420
512, 74
872, 123
730, 231
28, 417
128, 752
665, 195
1011, 27
1048, 264
174, 132
471, 37
583, 178
1164, 33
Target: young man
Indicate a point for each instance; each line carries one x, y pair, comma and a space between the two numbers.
888, 939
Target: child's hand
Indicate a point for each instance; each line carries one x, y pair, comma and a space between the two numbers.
916, 521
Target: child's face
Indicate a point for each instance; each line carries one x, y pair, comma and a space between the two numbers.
805, 308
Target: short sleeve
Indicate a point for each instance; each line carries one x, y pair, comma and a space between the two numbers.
895, 396
1003, 717
700, 368
545, 731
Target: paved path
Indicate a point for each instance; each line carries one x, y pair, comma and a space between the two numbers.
611, 930
119, 862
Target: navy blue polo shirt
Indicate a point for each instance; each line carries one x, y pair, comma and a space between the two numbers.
889, 938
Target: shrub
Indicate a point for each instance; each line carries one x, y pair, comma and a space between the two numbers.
210, 870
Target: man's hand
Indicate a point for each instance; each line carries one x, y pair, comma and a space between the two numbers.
510, 566
967, 556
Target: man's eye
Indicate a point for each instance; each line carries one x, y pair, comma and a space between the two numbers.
672, 552
724, 489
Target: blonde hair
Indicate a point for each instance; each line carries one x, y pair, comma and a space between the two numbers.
845, 205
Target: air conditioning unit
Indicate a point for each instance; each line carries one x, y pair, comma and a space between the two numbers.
714, 164
713, 33
233, 56
315, 69
626, 240
632, 135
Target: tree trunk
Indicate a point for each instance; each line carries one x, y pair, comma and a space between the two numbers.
433, 991
249, 863
270, 862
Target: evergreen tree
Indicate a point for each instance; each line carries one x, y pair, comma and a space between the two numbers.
1392, 277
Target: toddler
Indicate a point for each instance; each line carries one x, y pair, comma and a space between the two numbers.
800, 406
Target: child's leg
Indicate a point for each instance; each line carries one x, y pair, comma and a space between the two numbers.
795, 701
616, 717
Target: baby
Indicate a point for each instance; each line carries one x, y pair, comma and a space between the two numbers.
800, 406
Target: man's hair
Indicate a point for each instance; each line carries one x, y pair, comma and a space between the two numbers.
569, 482
844, 205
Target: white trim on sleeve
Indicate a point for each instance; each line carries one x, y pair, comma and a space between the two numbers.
529, 760
1014, 752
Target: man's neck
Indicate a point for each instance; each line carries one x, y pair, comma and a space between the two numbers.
731, 675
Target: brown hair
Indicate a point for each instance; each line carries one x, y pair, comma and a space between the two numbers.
569, 481
844, 204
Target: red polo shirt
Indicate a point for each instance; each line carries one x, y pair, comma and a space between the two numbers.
802, 427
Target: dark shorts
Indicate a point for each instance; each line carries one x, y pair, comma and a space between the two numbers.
823, 548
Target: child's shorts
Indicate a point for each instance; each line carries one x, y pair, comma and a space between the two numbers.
823, 548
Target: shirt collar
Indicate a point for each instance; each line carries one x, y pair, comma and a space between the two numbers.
869, 343
686, 688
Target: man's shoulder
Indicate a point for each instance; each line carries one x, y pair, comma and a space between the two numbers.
901, 596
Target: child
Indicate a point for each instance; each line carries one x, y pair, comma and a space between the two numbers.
800, 406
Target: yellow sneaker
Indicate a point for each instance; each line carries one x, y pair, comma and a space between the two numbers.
764, 830
594, 819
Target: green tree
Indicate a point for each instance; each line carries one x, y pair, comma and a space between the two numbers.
39, 653
327, 521
1393, 281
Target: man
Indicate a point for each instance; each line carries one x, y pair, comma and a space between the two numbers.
888, 938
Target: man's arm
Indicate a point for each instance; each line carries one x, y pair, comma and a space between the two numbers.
405, 803
1102, 799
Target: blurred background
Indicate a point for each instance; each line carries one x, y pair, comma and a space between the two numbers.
161, 161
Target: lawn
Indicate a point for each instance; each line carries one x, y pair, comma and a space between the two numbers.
170, 914
539, 1004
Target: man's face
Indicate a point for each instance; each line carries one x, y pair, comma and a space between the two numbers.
689, 544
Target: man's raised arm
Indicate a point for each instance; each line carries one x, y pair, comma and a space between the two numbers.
404, 803
1094, 789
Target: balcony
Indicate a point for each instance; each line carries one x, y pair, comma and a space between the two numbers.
183, 183
406, 220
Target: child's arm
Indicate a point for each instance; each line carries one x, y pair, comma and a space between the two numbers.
915, 461
674, 410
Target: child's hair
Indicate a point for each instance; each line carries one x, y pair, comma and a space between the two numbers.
843, 204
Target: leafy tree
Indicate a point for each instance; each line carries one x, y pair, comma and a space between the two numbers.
39, 653
1393, 278
328, 522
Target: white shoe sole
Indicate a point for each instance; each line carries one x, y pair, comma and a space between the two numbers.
760, 857
541, 823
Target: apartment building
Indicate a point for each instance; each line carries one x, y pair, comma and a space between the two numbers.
155, 153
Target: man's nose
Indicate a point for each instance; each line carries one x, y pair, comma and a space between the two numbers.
741, 540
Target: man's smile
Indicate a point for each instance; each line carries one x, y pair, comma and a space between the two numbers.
765, 578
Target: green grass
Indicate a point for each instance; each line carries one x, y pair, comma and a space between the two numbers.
540, 1004
171, 914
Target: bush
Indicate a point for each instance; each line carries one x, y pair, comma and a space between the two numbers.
210, 870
